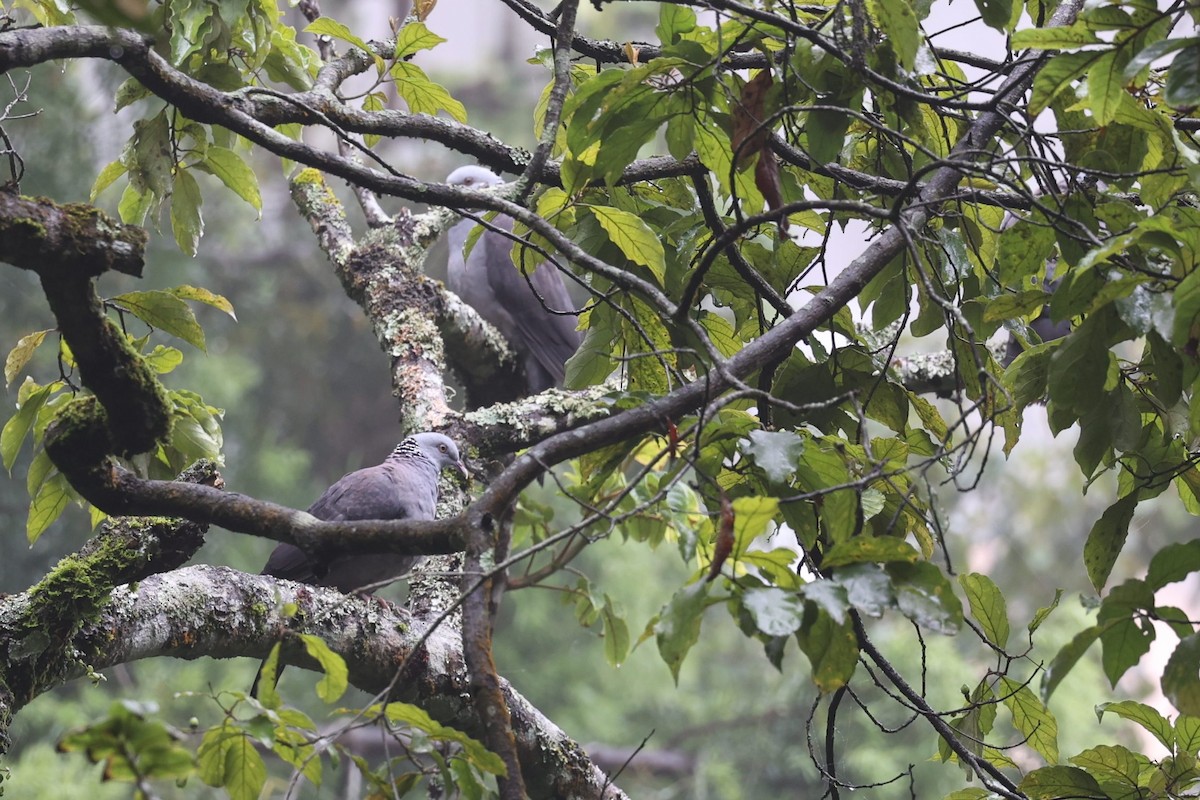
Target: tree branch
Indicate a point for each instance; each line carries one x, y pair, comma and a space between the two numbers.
215, 611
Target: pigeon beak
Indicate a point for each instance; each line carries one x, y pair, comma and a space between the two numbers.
462, 470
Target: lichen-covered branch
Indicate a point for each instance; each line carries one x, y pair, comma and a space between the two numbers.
37, 626
217, 612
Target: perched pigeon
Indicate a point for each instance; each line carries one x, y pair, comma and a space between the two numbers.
404, 486
518, 307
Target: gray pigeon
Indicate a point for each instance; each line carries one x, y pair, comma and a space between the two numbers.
404, 486
519, 308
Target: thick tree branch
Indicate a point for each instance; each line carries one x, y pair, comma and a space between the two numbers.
213, 611
252, 113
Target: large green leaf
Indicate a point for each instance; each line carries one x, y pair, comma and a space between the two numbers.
48, 503
413, 38
1180, 681
187, 223
987, 607
634, 237
1031, 718
333, 685
925, 596
832, 649
235, 173
165, 311
774, 611
776, 452
1144, 715
1056, 783
678, 625
423, 95
899, 22
327, 26
1106, 539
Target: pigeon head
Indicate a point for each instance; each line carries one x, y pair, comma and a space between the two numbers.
473, 177
439, 449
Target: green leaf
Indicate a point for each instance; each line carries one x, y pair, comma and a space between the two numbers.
326, 26
163, 359
1173, 563
1183, 79
19, 356
134, 205
1180, 683
1187, 734
1152, 53
186, 221
616, 633
1143, 715
110, 173
826, 131
1124, 642
987, 607
1055, 38
774, 611
1106, 539
751, 516
674, 21
1031, 718
418, 718
868, 588
831, 648
1023, 251
165, 311
1059, 75
1066, 658
1055, 783
189, 437
235, 173
777, 452
633, 237
413, 38
423, 95
869, 549
899, 22
1040, 616
245, 773
333, 685
678, 625
925, 596
996, 13
51, 500
1106, 86
1112, 763
268, 678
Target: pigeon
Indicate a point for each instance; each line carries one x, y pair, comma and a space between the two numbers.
404, 486
520, 307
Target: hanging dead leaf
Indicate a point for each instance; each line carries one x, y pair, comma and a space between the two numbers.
749, 132
723, 546
423, 8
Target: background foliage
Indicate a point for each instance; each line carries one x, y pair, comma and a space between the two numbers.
912, 531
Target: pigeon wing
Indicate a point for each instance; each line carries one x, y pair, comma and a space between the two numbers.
549, 338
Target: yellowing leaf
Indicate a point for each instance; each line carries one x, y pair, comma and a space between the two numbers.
423, 95
19, 356
414, 37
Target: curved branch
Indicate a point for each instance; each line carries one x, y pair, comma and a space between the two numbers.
176, 615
